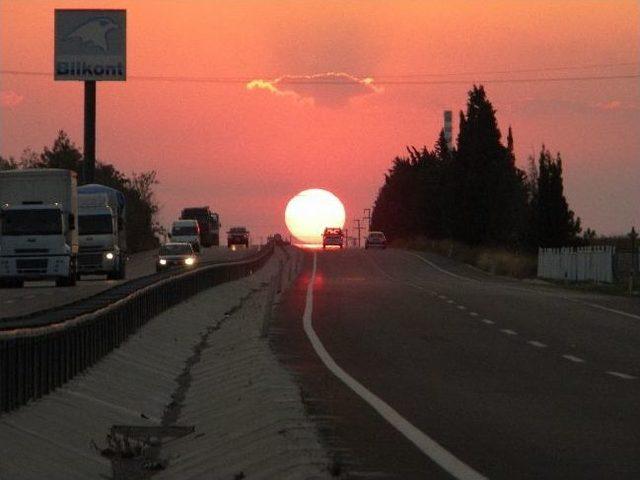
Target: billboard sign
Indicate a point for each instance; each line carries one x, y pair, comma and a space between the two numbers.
90, 45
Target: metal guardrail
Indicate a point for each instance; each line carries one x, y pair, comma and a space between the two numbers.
37, 358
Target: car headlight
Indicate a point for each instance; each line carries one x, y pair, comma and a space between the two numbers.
189, 261
109, 255
163, 261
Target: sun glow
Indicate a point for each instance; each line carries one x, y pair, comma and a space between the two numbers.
310, 212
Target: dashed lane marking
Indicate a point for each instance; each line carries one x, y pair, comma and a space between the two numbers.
461, 307
473, 314
487, 321
445, 459
573, 358
507, 331
537, 344
450, 301
624, 376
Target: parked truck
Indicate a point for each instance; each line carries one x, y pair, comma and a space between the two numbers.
208, 221
38, 226
102, 234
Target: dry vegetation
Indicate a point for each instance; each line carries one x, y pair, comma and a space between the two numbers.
493, 260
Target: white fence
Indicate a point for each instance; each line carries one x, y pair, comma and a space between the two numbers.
577, 264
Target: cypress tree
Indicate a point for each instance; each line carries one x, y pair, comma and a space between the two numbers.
556, 224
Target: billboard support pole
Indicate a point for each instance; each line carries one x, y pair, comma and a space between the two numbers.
89, 163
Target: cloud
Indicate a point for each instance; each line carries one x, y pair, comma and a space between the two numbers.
329, 89
10, 99
613, 105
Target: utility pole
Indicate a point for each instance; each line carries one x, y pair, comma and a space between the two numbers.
357, 220
367, 217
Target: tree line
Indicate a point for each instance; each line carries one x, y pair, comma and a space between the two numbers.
142, 206
474, 193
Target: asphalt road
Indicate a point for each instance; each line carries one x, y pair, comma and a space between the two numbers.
43, 295
493, 377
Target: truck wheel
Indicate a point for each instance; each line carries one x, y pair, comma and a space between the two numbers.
11, 283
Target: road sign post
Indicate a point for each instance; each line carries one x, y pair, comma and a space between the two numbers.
633, 274
89, 164
90, 46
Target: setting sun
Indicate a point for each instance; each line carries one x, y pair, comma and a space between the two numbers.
311, 211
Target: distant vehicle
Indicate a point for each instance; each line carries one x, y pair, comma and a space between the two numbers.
332, 236
375, 240
208, 221
38, 226
238, 236
186, 231
102, 233
175, 255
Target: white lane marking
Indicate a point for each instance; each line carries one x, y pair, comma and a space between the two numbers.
446, 272
487, 321
530, 290
454, 466
450, 301
473, 314
461, 307
506, 331
442, 297
607, 309
537, 344
624, 376
9, 301
573, 358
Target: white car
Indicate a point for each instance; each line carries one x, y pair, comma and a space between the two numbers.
186, 231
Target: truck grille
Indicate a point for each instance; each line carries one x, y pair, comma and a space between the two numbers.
32, 265
90, 259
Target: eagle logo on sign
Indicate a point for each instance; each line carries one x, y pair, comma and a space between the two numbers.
94, 32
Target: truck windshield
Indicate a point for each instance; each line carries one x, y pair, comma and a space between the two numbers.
32, 222
95, 224
184, 230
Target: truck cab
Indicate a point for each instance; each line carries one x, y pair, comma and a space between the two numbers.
238, 236
38, 227
102, 236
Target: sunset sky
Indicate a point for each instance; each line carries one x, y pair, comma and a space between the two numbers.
246, 147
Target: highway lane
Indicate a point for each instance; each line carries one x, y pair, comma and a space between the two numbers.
37, 296
512, 379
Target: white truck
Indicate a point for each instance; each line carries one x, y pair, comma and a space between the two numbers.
38, 226
101, 221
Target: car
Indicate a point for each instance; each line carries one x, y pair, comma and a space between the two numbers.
186, 231
176, 255
375, 240
238, 236
332, 236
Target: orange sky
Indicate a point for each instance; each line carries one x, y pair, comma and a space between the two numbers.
246, 152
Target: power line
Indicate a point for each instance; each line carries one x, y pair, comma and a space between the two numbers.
380, 80
521, 70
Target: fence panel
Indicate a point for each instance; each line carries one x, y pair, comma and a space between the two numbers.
577, 264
